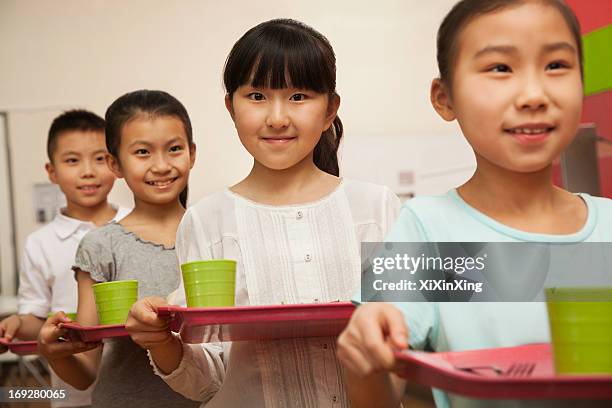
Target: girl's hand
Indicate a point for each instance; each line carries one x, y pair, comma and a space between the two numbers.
145, 327
366, 345
51, 347
8, 328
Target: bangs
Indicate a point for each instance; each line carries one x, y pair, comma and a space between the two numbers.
279, 57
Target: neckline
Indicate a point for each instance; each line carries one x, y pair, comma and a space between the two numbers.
141, 240
307, 204
577, 236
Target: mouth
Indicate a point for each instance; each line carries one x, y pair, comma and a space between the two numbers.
278, 139
161, 183
89, 188
531, 133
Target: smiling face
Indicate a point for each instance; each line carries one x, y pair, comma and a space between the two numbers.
280, 127
516, 87
79, 168
154, 158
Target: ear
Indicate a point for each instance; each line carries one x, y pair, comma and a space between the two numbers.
192, 155
441, 100
50, 168
332, 110
113, 165
229, 106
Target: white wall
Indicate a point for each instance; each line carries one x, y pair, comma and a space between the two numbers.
72, 53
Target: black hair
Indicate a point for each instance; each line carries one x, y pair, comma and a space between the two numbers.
286, 53
149, 103
464, 11
72, 120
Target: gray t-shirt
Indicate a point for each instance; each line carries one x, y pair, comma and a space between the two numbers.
126, 377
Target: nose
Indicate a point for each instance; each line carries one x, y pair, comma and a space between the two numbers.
160, 164
533, 95
88, 169
277, 115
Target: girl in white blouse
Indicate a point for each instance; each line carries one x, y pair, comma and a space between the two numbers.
293, 226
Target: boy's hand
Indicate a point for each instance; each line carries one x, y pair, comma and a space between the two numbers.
147, 329
366, 345
8, 328
51, 347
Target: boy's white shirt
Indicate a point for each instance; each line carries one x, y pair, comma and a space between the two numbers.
46, 279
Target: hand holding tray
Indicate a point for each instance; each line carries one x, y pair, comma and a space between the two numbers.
524, 372
93, 334
270, 322
21, 348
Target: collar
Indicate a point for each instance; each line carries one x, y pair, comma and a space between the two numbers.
65, 226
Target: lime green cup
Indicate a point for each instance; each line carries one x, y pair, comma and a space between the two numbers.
581, 329
114, 300
210, 283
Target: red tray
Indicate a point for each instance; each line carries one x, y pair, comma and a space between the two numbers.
440, 370
203, 325
92, 334
21, 348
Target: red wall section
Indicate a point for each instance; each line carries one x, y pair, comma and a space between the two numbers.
598, 109
592, 14
595, 14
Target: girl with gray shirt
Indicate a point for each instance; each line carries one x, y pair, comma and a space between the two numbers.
149, 138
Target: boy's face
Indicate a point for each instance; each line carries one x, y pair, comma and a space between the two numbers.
517, 91
79, 168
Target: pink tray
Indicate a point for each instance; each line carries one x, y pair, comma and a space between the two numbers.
203, 325
21, 348
439, 370
90, 334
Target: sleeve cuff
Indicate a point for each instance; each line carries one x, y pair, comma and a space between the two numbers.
187, 355
36, 310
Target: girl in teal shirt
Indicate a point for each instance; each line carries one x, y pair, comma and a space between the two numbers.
511, 75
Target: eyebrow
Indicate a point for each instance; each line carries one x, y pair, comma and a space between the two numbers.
70, 153
148, 144
175, 140
510, 49
75, 153
501, 49
559, 46
139, 142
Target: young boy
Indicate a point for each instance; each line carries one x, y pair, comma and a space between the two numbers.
77, 164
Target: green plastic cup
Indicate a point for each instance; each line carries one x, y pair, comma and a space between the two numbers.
210, 283
114, 300
581, 329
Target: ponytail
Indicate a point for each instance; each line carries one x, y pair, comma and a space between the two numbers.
183, 196
325, 154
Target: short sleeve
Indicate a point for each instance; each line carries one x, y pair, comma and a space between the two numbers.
95, 256
422, 319
34, 294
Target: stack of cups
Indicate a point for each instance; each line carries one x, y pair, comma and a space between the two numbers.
581, 329
210, 283
114, 300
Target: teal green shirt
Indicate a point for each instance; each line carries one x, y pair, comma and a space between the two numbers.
468, 326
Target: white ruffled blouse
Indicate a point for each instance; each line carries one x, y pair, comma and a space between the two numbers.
303, 253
